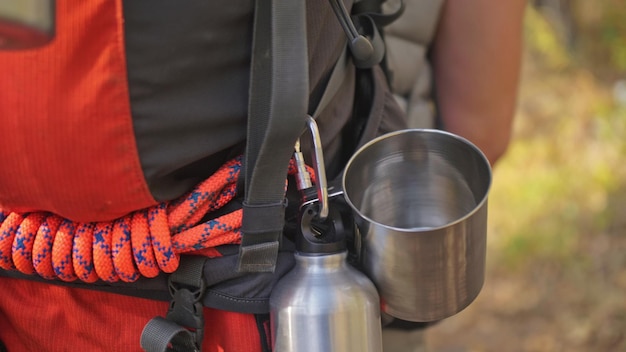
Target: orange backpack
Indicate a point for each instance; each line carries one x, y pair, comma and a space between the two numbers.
79, 114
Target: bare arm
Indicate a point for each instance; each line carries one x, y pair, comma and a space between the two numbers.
476, 59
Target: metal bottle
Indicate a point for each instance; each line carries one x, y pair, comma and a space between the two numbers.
324, 304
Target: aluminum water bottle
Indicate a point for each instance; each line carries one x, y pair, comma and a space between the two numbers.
324, 304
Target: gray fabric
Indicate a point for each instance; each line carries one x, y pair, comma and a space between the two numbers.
188, 78
188, 69
408, 40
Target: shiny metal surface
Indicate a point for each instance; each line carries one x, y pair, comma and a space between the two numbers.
320, 170
26, 24
420, 203
303, 180
324, 305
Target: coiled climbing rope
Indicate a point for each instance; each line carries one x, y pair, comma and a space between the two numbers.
143, 243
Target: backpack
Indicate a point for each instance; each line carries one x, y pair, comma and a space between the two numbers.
241, 259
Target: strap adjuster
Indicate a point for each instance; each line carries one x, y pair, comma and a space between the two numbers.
183, 327
186, 308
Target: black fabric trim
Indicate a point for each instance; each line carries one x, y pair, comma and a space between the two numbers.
228, 289
155, 288
262, 324
363, 101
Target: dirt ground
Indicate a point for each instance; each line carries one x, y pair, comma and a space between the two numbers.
545, 308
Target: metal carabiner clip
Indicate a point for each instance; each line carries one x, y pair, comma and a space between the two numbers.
321, 185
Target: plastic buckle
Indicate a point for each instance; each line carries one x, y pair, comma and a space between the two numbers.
186, 308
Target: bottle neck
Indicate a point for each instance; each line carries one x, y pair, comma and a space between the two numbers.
324, 262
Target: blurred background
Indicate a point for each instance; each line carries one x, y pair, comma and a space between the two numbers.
556, 263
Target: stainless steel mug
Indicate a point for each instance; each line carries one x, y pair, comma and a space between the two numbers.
26, 24
419, 199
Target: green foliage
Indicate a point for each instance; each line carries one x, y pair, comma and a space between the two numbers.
542, 41
553, 189
601, 35
556, 186
613, 32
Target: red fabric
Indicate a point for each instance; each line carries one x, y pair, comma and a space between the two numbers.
66, 137
43, 317
13, 35
67, 146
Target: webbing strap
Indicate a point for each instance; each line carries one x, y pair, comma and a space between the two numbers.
277, 107
162, 335
183, 327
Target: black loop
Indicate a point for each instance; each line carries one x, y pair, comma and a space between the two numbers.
162, 335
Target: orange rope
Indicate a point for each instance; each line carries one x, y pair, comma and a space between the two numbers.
143, 243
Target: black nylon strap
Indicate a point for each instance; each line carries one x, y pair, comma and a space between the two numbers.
162, 335
190, 272
183, 328
279, 90
373, 9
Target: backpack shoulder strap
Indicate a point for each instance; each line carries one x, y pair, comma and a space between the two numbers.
277, 108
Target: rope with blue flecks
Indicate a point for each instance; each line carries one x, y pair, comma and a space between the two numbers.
143, 243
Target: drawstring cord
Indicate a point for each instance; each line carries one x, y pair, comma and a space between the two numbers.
143, 243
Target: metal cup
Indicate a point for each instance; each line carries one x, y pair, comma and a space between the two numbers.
419, 199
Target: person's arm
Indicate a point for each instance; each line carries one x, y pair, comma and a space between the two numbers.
476, 61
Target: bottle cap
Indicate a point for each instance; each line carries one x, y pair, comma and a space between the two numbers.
319, 237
